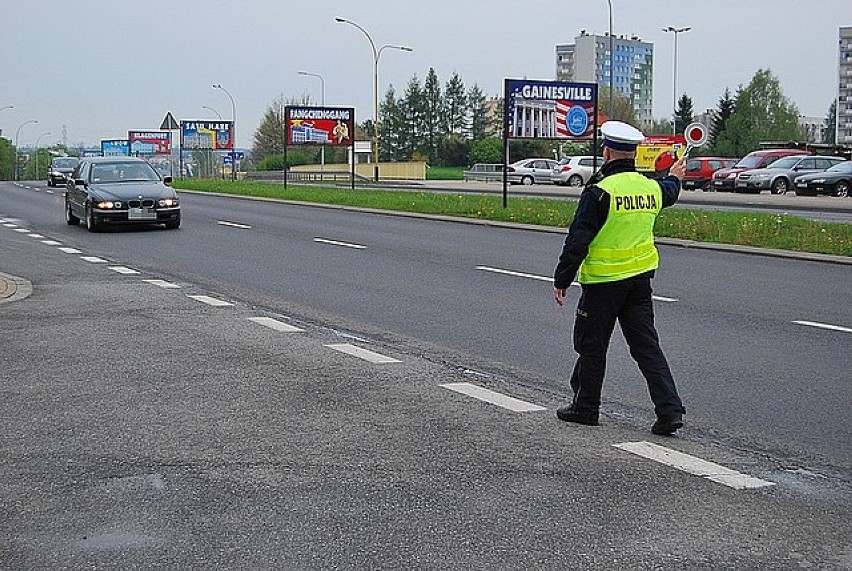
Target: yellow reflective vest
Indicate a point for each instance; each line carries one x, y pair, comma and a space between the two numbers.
624, 246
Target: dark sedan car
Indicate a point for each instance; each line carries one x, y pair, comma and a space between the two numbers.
835, 181
60, 169
119, 190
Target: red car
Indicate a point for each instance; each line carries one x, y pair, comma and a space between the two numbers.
699, 171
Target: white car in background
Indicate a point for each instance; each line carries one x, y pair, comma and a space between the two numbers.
530, 171
575, 171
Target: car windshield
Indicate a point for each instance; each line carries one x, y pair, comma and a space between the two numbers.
844, 167
748, 162
123, 172
786, 163
67, 163
693, 165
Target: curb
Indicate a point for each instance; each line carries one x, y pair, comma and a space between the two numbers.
13, 288
751, 250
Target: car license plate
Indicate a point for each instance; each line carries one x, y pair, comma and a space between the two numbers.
802, 184
142, 214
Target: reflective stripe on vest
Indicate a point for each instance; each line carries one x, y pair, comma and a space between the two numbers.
624, 246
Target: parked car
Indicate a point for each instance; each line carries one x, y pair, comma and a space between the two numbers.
575, 171
836, 181
60, 168
725, 178
779, 176
530, 171
699, 171
119, 190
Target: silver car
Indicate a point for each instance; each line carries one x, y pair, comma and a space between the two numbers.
530, 171
575, 171
779, 177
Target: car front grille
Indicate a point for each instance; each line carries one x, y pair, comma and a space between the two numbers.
147, 203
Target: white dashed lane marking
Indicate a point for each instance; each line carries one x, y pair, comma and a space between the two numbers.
210, 300
336, 243
51, 242
93, 259
275, 324
550, 279
123, 270
824, 326
364, 354
23, 230
693, 465
35, 236
10, 225
70, 250
492, 397
232, 224
162, 283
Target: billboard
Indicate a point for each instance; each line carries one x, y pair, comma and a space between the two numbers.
333, 126
658, 152
550, 109
115, 147
207, 135
150, 142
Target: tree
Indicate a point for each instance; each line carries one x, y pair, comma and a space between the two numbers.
683, 114
433, 114
391, 128
622, 108
487, 150
762, 113
724, 110
413, 140
7, 159
456, 106
476, 111
269, 136
660, 127
829, 133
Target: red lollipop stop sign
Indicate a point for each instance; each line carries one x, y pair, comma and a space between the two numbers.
695, 134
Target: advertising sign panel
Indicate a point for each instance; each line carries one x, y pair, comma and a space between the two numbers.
550, 109
207, 135
115, 147
333, 126
150, 142
658, 152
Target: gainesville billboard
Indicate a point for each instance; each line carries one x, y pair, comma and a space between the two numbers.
150, 142
550, 109
207, 135
333, 126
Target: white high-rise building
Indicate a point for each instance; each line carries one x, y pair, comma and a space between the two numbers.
587, 59
844, 87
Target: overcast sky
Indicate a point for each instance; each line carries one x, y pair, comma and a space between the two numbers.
101, 67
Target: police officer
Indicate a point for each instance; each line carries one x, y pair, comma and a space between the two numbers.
610, 249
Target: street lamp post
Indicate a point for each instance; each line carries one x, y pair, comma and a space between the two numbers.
219, 115
37, 142
611, 58
209, 153
234, 128
322, 102
675, 31
17, 133
377, 54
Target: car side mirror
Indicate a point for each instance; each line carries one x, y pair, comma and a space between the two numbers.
167, 180
79, 182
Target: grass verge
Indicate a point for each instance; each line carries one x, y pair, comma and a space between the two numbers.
747, 228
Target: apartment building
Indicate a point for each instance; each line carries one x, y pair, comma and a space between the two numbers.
844, 87
587, 59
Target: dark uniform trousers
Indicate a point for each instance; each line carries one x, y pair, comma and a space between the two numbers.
629, 302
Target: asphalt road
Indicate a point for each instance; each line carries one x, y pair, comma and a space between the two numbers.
438, 480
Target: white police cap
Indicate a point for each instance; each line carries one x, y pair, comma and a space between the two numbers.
621, 136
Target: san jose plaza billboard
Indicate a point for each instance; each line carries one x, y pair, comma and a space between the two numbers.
550, 109
333, 126
207, 135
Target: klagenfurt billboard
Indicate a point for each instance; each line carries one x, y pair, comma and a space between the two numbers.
150, 142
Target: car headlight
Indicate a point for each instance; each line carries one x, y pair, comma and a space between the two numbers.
762, 176
108, 204
816, 180
168, 202
732, 176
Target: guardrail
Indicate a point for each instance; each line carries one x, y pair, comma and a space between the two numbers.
314, 176
484, 172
